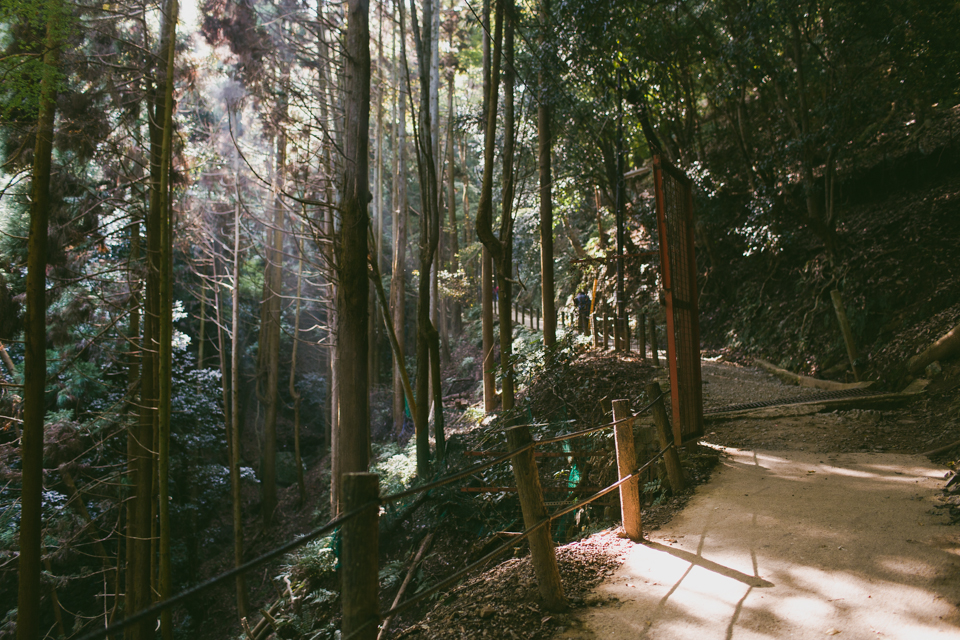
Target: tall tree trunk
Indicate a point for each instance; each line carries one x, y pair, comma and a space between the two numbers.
35, 356
352, 310
500, 248
133, 369
378, 205
619, 197
456, 311
329, 232
201, 330
438, 426
822, 226
434, 50
505, 261
333, 370
234, 425
486, 320
466, 196
429, 230
486, 261
398, 275
297, 460
141, 593
166, 317
269, 346
546, 198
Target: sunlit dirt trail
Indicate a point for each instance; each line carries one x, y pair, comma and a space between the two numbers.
792, 545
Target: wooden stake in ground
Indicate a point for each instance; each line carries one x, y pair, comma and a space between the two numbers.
626, 463
670, 459
845, 328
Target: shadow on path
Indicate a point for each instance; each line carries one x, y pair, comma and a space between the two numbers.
793, 545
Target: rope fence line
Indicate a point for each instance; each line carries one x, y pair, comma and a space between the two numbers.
370, 622
296, 543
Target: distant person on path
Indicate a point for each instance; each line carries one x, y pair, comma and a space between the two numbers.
582, 301
496, 293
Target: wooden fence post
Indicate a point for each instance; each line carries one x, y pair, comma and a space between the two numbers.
359, 557
537, 311
531, 503
626, 332
626, 463
671, 458
596, 332
617, 334
606, 331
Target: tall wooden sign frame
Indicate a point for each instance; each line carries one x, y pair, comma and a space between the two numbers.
678, 266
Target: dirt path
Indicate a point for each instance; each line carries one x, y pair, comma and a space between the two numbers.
790, 543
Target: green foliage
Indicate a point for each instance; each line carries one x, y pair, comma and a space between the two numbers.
657, 490
21, 41
251, 278
316, 560
396, 465
391, 574
455, 286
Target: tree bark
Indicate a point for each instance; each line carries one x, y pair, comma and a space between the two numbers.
822, 227
140, 594
328, 230
505, 263
269, 344
398, 276
134, 353
352, 310
438, 426
501, 249
486, 319
35, 334
166, 318
545, 142
373, 325
456, 311
429, 228
297, 459
235, 488
484, 217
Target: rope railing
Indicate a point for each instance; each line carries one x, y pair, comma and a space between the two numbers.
296, 543
516, 455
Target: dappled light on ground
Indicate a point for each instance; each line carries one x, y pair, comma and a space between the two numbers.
793, 545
